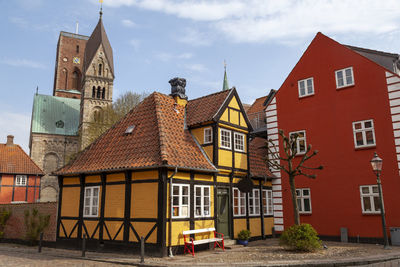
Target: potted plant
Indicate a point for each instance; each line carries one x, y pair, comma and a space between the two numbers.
243, 237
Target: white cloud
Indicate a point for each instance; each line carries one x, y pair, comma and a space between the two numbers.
135, 43
196, 67
23, 63
283, 20
128, 23
17, 124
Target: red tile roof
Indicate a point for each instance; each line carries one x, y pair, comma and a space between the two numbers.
203, 109
258, 153
257, 106
158, 139
13, 160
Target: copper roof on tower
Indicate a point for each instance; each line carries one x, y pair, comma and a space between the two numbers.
98, 37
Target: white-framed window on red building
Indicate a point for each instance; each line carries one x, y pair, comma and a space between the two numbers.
239, 202
369, 199
304, 200
344, 77
267, 202
364, 134
300, 144
254, 202
20, 180
306, 87
208, 135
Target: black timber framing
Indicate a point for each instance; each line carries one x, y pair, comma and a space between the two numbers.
81, 199
162, 211
128, 197
215, 144
103, 178
262, 210
60, 192
191, 199
13, 188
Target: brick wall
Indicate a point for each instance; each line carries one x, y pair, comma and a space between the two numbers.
15, 228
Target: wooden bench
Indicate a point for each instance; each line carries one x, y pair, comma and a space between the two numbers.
190, 242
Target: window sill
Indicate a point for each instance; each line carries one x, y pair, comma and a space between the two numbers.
365, 147
305, 213
18, 202
372, 213
305, 96
346, 86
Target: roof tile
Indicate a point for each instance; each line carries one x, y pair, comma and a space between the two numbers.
258, 153
13, 160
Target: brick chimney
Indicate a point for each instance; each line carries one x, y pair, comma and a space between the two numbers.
10, 140
178, 90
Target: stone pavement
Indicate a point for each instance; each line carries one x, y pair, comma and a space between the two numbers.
259, 253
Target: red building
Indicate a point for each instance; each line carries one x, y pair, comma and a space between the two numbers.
19, 175
345, 101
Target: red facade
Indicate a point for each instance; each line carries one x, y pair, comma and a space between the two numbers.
10, 192
327, 116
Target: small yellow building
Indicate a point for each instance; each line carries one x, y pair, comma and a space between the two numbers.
168, 156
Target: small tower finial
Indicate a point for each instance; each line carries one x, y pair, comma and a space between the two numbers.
225, 85
101, 8
77, 28
37, 90
225, 64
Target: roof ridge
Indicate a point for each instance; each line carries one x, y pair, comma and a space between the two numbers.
371, 50
20, 148
220, 92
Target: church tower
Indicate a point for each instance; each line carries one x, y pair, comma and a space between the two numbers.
97, 82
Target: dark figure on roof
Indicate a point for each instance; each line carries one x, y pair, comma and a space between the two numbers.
178, 87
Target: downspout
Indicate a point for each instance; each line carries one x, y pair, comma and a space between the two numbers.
170, 213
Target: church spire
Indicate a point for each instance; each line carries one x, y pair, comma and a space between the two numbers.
101, 8
225, 86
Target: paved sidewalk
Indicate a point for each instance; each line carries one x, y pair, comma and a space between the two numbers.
259, 253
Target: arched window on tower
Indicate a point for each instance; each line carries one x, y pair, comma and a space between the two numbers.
100, 69
98, 92
103, 93
65, 73
97, 114
75, 80
94, 92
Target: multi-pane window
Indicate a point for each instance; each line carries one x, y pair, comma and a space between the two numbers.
344, 77
304, 200
207, 135
306, 87
225, 139
267, 201
364, 134
370, 199
239, 202
180, 201
202, 200
20, 180
254, 202
300, 144
239, 142
91, 201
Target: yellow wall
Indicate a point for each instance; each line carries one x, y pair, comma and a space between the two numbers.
225, 158
113, 227
242, 121
180, 175
91, 226
222, 179
69, 225
268, 224
238, 225
71, 180
70, 201
224, 116
177, 229
143, 228
204, 177
241, 161
234, 103
116, 177
144, 201
209, 152
145, 175
93, 179
201, 225
115, 201
234, 116
255, 226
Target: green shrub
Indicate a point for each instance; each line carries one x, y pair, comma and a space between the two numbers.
4, 216
35, 224
244, 234
300, 237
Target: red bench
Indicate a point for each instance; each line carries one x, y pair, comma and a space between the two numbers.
218, 239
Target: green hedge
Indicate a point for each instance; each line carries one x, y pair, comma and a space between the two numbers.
301, 237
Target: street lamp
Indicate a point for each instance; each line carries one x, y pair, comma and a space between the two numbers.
376, 163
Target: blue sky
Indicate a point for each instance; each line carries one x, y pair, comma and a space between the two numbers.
156, 40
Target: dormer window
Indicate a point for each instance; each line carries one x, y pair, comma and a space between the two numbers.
130, 129
207, 135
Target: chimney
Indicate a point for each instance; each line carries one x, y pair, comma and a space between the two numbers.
178, 90
10, 140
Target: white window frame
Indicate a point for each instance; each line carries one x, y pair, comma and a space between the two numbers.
239, 141
228, 141
203, 197
301, 197
268, 207
305, 82
363, 130
90, 205
21, 180
345, 83
180, 201
241, 200
371, 196
208, 137
254, 202
299, 139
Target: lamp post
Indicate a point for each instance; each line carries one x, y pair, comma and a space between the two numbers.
376, 163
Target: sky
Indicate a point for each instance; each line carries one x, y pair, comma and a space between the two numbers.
156, 40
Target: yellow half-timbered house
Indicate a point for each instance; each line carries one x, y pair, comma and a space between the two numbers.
168, 166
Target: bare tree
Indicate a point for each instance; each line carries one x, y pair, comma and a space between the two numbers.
286, 163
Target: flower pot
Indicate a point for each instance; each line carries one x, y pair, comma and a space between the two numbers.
243, 242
